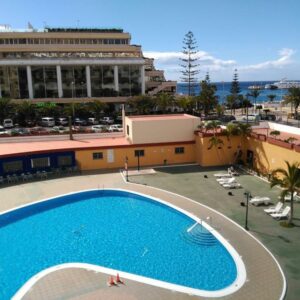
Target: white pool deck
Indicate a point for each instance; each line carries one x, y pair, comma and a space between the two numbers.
264, 279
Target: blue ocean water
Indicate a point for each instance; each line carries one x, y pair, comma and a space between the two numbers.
223, 90
113, 229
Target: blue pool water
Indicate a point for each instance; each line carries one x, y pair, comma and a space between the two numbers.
113, 229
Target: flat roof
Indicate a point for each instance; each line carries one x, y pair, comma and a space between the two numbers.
282, 136
14, 149
162, 117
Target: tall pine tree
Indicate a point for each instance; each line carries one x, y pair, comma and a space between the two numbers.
190, 66
234, 97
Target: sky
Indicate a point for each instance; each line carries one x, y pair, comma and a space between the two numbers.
259, 38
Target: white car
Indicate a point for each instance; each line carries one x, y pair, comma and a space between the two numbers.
115, 128
99, 128
3, 130
8, 123
107, 120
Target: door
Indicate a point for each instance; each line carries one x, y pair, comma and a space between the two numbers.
110, 156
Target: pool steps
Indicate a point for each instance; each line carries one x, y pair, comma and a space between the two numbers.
196, 234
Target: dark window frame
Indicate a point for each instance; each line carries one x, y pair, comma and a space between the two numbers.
179, 150
98, 155
139, 153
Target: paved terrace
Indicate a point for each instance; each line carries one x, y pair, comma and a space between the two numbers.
264, 280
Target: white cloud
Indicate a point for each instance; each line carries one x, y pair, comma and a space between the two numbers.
285, 58
221, 69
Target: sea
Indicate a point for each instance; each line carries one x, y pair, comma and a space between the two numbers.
223, 90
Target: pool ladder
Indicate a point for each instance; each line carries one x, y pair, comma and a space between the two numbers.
199, 235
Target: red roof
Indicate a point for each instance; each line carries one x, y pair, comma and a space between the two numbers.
13, 149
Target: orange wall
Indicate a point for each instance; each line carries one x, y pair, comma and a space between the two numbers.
154, 155
268, 156
217, 157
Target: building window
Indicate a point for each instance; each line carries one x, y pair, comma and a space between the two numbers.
13, 166
41, 162
179, 150
64, 160
139, 153
127, 128
98, 155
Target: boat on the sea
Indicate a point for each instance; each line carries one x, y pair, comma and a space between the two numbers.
271, 87
284, 84
255, 87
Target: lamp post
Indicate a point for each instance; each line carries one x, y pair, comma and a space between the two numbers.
126, 168
247, 195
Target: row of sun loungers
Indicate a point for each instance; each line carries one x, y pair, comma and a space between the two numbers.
277, 212
227, 180
14, 178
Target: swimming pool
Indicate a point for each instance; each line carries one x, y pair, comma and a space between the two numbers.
118, 230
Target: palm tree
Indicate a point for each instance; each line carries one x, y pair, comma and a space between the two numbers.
275, 133
26, 111
231, 103
6, 108
271, 97
213, 125
142, 104
289, 181
231, 130
216, 142
293, 97
255, 94
186, 103
97, 108
163, 101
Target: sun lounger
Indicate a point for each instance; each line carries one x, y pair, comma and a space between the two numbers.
274, 209
282, 215
260, 200
226, 180
288, 197
220, 175
233, 185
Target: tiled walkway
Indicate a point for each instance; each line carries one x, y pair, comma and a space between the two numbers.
264, 280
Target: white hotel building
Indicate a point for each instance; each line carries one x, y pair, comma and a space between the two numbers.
63, 65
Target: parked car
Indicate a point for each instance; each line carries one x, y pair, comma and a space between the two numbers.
268, 117
38, 130
93, 121
20, 131
48, 122
3, 131
30, 123
99, 128
226, 118
107, 120
62, 121
59, 129
8, 123
80, 122
115, 128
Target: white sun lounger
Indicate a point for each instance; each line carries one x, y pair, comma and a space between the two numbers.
283, 214
274, 209
288, 197
222, 175
226, 180
233, 185
260, 200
